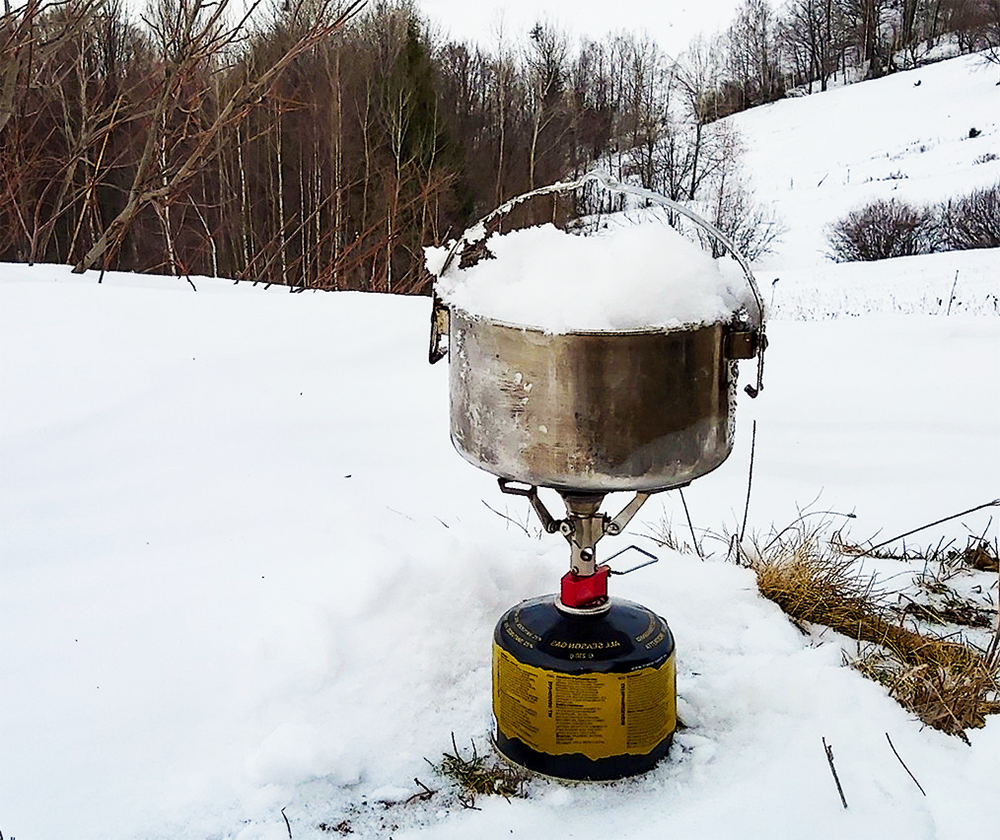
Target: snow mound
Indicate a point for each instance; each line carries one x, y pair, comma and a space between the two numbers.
626, 277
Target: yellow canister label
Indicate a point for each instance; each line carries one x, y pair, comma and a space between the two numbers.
597, 715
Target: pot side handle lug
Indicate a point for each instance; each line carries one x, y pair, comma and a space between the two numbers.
744, 341
440, 317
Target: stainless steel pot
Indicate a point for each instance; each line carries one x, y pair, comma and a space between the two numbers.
636, 410
600, 411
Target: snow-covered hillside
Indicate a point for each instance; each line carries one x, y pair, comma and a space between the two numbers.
818, 157
244, 577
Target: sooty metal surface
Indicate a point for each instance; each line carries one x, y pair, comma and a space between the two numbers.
638, 410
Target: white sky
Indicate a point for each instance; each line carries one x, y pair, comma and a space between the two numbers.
671, 23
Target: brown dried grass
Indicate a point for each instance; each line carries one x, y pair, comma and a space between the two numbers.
480, 775
953, 692
946, 684
978, 553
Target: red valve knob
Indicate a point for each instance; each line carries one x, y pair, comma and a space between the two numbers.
582, 591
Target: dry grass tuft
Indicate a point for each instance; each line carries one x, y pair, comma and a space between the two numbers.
480, 775
952, 610
948, 685
662, 533
955, 690
816, 587
977, 553
982, 555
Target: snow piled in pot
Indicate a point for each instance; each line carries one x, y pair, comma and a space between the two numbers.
626, 277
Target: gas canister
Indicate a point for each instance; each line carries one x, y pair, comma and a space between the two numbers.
583, 694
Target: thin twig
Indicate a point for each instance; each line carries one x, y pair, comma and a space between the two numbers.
798, 521
994, 503
836, 778
507, 517
421, 795
694, 539
952, 297
288, 825
907, 769
993, 652
746, 506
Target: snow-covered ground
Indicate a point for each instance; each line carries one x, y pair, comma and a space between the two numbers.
244, 577
818, 157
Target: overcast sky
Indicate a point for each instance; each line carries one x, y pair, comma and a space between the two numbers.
671, 23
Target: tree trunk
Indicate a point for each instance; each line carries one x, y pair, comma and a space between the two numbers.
282, 245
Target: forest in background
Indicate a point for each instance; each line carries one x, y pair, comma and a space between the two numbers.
323, 144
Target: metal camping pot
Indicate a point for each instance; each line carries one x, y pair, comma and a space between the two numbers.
605, 411
641, 410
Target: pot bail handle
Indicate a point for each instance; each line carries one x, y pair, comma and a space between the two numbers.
440, 322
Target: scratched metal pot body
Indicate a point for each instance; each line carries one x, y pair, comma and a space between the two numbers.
638, 410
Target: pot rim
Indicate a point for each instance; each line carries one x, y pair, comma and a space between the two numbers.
631, 331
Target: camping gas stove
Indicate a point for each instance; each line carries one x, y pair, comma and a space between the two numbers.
584, 682
583, 685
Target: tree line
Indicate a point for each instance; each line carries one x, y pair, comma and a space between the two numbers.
765, 52
323, 143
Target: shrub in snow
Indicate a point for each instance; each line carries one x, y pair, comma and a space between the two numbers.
881, 230
752, 227
972, 221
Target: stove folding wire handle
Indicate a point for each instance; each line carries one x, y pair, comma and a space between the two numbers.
744, 342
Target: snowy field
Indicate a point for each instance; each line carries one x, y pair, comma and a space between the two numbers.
244, 577
904, 136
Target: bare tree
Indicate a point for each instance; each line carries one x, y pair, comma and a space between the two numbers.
993, 33
196, 40
29, 36
751, 54
646, 107
751, 226
61, 100
814, 34
698, 76
547, 77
